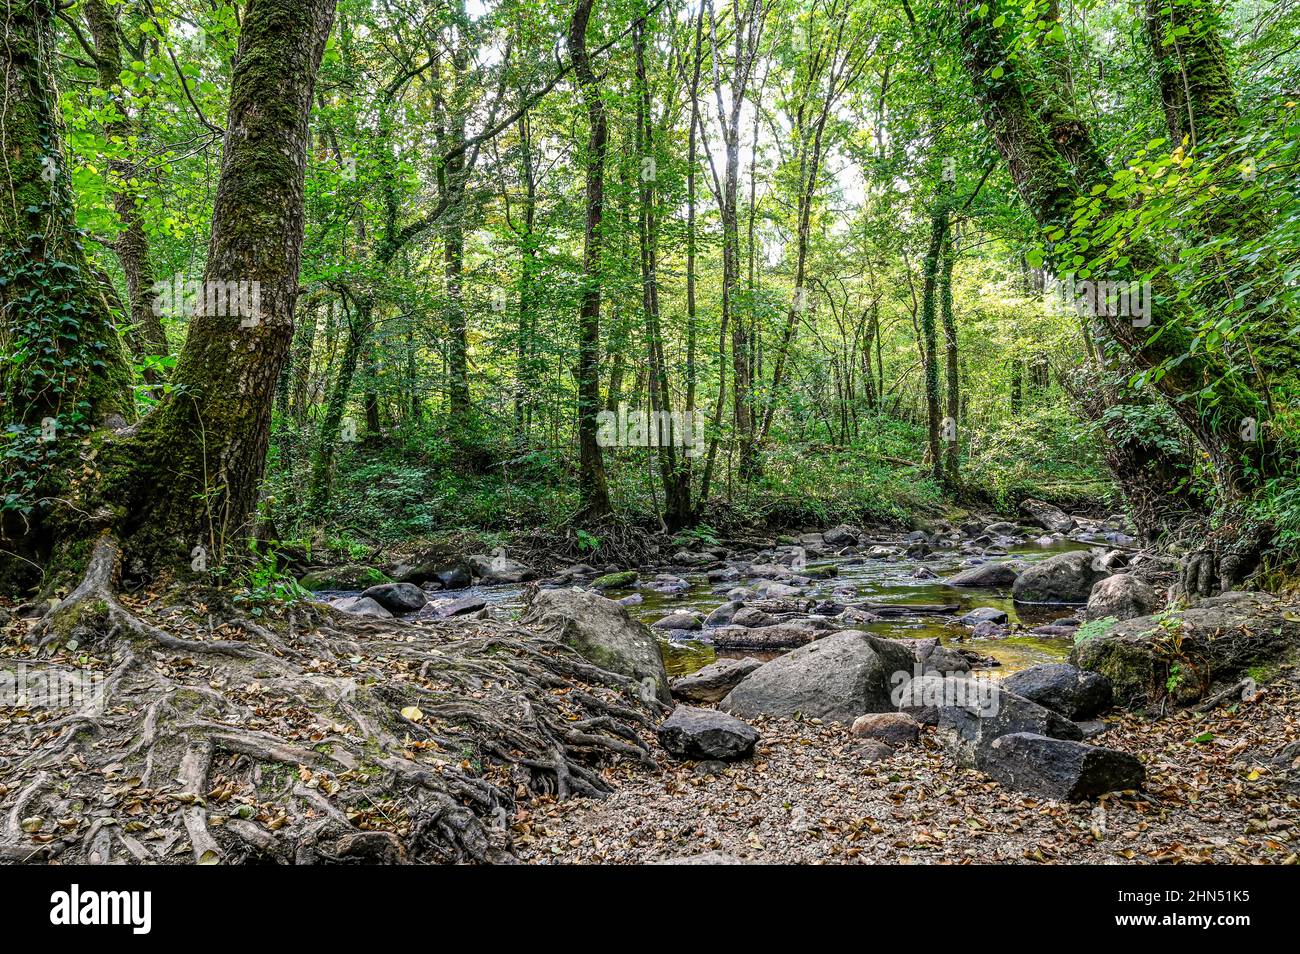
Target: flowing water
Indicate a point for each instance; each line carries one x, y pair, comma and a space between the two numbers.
880, 581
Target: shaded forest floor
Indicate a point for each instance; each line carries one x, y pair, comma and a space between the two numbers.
1218, 791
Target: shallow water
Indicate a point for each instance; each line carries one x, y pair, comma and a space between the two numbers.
883, 581
890, 581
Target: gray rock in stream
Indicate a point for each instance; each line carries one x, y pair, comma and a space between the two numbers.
1122, 596
1042, 514
397, 598
838, 678
1064, 578
498, 569
842, 536
678, 620
779, 636
723, 614
988, 575
711, 683
773, 590
983, 614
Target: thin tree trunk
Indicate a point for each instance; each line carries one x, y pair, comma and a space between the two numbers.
145, 335
953, 395
591, 477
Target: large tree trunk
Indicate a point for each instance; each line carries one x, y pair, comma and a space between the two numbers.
62, 356
1201, 110
63, 369
189, 477
595, 494
1044, 179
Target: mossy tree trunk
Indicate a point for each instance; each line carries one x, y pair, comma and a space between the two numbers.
63, 368
190, 476
1201, 111
63, 356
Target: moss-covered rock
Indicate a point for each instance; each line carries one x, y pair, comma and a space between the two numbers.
613, 581
350, 576
1180, 654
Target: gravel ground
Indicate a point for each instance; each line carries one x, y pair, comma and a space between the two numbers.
811, 796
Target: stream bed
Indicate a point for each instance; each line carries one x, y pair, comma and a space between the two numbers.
888, 580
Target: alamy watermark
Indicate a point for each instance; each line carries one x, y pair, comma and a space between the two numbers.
624, 428
919, 688
1091, 299
218, 298
42, 687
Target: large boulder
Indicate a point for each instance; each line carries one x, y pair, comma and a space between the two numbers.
1218, 639
711, 683
1063, 688
968, 729
691, 733
351, 576
398, 598
1065, 578
989, 575
924, 696
1042, 514
499, 569
1122, 596
837, 678
602, 632
1062, 769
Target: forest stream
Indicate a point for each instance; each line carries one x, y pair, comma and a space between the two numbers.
858, 579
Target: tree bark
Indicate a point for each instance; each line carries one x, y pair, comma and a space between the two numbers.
953, 384
929, 337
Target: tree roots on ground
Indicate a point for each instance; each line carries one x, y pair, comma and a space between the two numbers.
218, 733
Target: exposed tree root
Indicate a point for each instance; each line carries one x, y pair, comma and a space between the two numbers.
1229, 558
312, 737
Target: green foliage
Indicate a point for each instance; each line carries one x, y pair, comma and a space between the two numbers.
1093, 628
1044, 453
